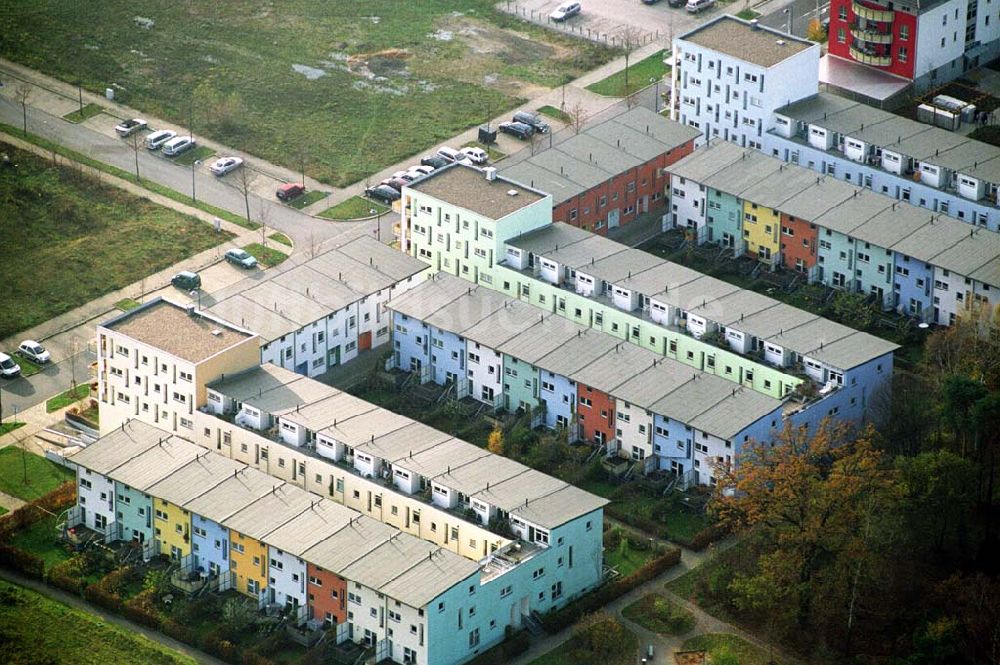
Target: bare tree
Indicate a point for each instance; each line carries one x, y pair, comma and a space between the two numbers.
631, 101
264, 217
22, 93
631, 39
535, 143
135, 150
245, 179
577, 116
314, 245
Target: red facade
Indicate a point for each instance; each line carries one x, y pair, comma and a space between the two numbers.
596, 411
637, 191
798, 243
327, 595
874, 34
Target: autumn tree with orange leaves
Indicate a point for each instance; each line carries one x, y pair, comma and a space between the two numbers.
824, 508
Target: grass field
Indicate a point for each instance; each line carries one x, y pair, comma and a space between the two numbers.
656, 613
77, 239
267, 256
355, 207
39, 630
308, 199
553, 112
28, 367
43, 475
198, 153
729, 647
7, 428
87, 112
349, 87
40, 540
67, 397
639, 74
127, 304
280, 237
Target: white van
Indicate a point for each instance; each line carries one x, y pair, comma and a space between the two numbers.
157, 139
177, 145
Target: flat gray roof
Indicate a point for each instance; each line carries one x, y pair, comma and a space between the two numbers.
272, 510
315, 524
130, 441
737, 38
272, 389
467, 187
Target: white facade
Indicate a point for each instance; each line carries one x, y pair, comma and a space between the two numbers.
941, 39
286, 578
96, 499
485, 370
734, 98
634, 431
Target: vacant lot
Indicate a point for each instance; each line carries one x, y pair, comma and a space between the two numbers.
348, 87
39, 630
76, 239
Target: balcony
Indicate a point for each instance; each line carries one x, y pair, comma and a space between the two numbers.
870, 35
872, 14
869, 58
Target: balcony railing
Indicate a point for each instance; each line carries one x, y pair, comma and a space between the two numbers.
880, 15
871, 36
870, 58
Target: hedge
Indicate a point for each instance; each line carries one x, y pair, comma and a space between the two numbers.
556, 621
506, 651
55, 501
23, 562
652, 527
705, 537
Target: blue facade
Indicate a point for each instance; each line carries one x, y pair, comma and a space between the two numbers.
913, 283
209, 545
411, 347
447, 363
883, 182
559, 395
672, 442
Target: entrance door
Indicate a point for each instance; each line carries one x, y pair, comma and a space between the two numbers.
365, 341
613, 218
302, 368
644, 203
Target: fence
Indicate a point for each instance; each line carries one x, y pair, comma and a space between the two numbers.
636, 38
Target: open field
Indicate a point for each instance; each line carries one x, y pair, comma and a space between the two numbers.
43, 475
355, 207
640, 74
78, 239
348, 87
81, 638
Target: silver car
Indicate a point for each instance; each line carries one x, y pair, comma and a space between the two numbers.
225, 165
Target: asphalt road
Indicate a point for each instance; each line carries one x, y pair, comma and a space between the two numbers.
303, 229
24, 392
799, 13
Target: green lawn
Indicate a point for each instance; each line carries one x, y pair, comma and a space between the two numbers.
127, 175
6, 428
267, 256
40, 540
569, 653
747, 14
280, 237
28, 367
308, 199
87, 238
353, 86
626, 559
639, 74
656, 613
553, 112
355, 207
43, 475
3, 511
127, 304
39, 630
721, 645
198, 153
79, 115
67, 397
491, 151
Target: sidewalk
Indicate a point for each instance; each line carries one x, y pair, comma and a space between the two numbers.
113, 619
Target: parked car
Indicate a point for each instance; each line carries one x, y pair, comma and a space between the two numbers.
565, 10
156, 140
186, 280
435, 161
450, 154
533, 119
649, 2
423, 170
396, 183
290, 190
177, 145
241, 258
33, 351
383, 193
475, 155
676, 3
130, 127
517, 130
8, 368
696, 6
225, 165
404, 175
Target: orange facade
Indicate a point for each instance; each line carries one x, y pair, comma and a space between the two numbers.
798, 244
596, 411
327, 595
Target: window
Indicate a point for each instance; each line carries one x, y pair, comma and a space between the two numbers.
904, 32
841, 34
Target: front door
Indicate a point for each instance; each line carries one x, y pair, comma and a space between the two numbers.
365, 341
613, 218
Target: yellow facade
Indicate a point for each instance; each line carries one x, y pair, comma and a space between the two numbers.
248, 562
172, 528
762, 232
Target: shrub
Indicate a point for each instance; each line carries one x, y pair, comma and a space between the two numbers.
55, 501
96, 594
505, 652
603, 635
219, 647
68, 575
23, 562
141, 609
706, 537
179, 631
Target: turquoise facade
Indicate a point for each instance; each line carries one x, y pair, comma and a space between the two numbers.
724, 220
134, 513
520, 383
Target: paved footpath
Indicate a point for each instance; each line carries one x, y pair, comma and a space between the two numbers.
114, 619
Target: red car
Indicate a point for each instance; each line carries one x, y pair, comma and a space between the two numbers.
291, 190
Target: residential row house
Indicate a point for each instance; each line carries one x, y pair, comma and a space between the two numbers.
845, 236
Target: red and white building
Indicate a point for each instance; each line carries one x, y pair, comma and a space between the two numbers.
925, 43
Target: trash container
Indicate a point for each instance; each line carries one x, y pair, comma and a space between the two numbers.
487, 136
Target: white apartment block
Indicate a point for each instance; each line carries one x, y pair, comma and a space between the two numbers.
729, 75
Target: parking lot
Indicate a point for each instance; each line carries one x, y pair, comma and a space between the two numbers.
609, 20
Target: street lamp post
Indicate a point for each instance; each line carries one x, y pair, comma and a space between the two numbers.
791, 18
656, 96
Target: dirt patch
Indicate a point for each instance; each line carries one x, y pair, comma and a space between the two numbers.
512, 48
